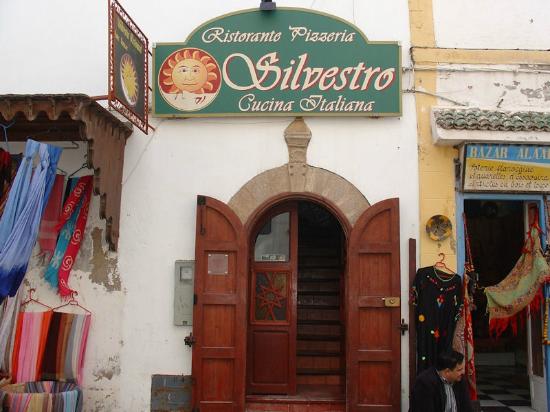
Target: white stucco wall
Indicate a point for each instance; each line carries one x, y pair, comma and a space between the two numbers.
133, 334
489, 24
505, 87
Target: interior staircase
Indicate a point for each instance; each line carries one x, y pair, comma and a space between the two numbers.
320, 331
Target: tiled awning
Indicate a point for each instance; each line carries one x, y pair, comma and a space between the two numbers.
453, 126
76, 117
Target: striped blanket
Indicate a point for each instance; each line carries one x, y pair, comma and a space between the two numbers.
42, 396
65, 349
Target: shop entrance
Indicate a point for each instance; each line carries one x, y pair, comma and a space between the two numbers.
509, 369
296, 333
297, 310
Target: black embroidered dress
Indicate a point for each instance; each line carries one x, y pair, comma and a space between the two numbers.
437, 300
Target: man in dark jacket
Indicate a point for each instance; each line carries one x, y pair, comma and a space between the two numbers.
441, 388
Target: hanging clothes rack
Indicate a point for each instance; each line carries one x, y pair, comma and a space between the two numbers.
73, 302
5, 130
440, 264
30, 299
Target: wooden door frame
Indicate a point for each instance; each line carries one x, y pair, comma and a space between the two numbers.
268, 208
290, 196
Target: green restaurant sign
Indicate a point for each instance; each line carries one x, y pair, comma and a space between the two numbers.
284, 62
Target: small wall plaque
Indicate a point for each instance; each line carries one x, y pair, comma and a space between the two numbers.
218, 263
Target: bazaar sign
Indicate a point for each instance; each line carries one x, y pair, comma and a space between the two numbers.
507, 168
128, 67
285, 62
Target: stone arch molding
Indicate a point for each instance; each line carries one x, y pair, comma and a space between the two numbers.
298, 177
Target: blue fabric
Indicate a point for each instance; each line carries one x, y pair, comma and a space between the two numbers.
29, 201
18, 192
63, 242
54, 153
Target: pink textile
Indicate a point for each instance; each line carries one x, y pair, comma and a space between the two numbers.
83, 342
30, 341
47, 236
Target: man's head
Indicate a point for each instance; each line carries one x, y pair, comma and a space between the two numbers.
450, 366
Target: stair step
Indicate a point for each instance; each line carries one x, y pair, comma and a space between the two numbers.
320, 307
326, 266
322, 338
319, 280
318, 353
320, 372
319, 292
318, 322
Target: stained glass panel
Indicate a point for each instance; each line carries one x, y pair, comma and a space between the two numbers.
271, 296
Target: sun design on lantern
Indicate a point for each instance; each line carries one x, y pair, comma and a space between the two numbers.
190, 70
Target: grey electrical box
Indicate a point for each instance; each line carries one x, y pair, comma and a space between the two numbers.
184, 292
171, 393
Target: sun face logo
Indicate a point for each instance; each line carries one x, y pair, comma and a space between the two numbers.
129, 79
189, 79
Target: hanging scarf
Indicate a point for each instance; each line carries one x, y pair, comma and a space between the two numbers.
17, 196
30, 341
520, 288
5, 168
25, 209
463, 340
469, 284
73, 223
65, 348
15, 162
45, 396
65, 234
47, 235
8, 321
470, 368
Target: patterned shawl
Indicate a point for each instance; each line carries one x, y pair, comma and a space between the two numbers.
520, 288
45, 396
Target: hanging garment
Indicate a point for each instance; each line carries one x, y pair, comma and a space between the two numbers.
30, 341
45, 396
520, 288
437, 302
47, 235
25, 208
73, 223
8, 321
64, 237
65, 350
15, 162
463, 340
17, 196
5, 168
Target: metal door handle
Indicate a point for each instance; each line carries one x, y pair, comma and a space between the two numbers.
189, 340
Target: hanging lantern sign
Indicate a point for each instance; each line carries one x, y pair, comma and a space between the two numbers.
285, 62
128, 67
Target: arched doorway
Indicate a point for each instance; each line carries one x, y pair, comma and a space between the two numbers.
223, 298
296, 321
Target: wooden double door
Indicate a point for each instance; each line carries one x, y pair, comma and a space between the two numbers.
246, 311
296, 323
